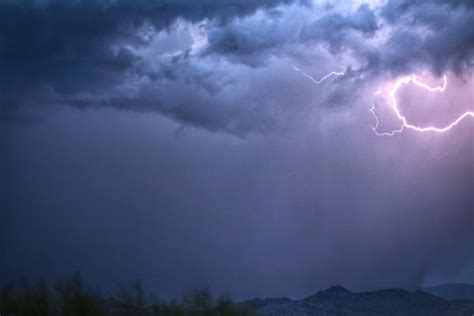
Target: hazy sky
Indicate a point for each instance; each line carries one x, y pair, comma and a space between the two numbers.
184, 143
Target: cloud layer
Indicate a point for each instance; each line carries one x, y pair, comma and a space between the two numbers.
142, 55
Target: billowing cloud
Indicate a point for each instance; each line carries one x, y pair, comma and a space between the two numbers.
133, 55
54, 51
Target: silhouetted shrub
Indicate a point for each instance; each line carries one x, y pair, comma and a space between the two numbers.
75, 299
130, 301
71, 297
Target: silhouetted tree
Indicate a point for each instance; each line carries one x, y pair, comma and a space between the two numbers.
75, 299
27, 300
130, 301
199, 303
71, 297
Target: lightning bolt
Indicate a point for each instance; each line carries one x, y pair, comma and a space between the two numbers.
394, 107
329, 75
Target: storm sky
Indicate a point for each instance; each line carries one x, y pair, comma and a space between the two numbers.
173, 141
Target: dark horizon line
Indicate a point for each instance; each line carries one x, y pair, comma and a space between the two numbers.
119, 286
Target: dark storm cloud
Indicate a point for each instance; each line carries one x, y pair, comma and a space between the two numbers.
335, 29
104, 53
433, 35
53, 49
253, 42
419, 34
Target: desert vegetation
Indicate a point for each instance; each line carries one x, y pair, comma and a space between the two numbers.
73, 297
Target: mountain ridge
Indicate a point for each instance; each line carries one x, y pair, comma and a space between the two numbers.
337, 300
450, 291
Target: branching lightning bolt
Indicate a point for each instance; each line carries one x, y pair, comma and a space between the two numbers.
394, 103
329, 75
394, 106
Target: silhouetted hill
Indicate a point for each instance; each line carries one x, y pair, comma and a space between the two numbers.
338, 301
73, 297
454, 291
